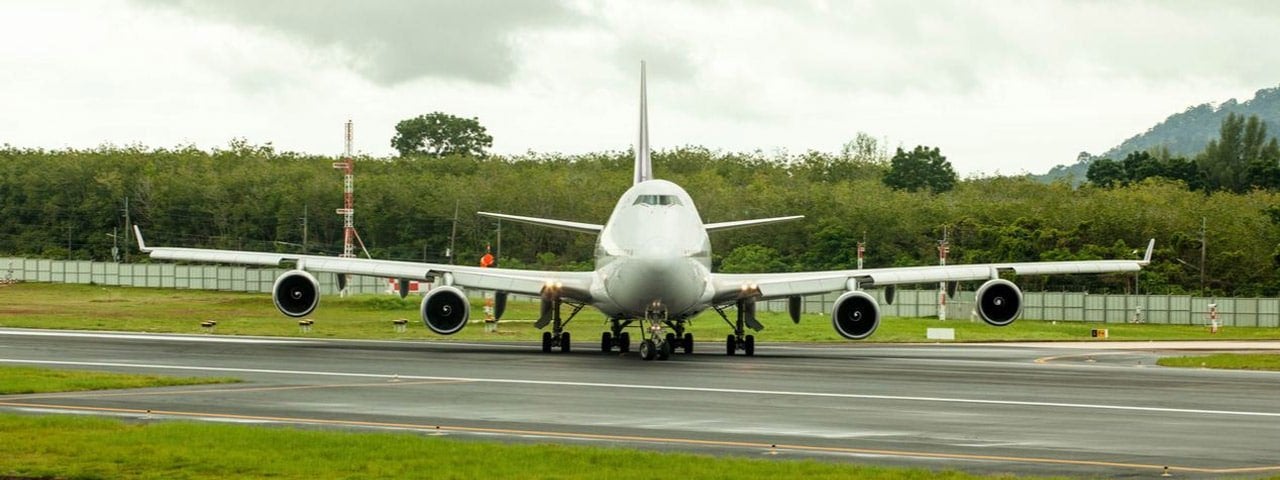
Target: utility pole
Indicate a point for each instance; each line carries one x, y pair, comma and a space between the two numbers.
454, 233
128, 230
943, 248
304, 229
1203, 248
862, 249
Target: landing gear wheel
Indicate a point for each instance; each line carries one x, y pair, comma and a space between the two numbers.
730, 345
749, 347
664, 351
546, 342
564, 343
688, 343
624, 342
606, 342
648, 351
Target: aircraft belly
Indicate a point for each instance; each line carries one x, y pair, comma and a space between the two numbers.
635, 288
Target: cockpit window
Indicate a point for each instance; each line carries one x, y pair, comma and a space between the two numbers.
657, 200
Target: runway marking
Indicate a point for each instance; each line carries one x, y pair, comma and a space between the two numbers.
647, 439
1044, 360
224, 390
971, 401
147, 336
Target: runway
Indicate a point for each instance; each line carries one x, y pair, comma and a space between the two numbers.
1094, 409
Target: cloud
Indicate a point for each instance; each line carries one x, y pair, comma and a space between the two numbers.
392, 42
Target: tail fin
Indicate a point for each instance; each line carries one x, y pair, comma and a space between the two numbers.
644, 166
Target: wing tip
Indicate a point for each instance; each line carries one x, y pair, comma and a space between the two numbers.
142, 244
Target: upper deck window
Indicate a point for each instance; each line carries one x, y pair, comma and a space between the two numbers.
657, 200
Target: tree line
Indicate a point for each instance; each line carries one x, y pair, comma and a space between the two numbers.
68, 203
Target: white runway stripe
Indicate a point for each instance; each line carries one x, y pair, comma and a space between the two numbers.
1129, 408
148, 336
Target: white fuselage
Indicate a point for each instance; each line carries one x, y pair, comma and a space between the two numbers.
653, 255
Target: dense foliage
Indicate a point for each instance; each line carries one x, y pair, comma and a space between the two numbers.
64, 203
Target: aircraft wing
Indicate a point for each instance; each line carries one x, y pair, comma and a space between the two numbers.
766, 286
575, 285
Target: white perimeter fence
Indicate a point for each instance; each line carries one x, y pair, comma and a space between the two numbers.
1060, 306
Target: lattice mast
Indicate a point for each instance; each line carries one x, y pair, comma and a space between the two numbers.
347, 166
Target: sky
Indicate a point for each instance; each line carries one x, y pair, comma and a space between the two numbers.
1001, 87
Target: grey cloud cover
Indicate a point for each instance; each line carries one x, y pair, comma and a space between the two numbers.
392, 42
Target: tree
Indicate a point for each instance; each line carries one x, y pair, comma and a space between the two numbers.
1106, 173
919, 169
438, 134
1241, 157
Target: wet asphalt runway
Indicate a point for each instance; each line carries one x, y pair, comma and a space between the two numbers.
1080, 409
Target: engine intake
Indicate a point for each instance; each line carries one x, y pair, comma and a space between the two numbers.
296, 293
855, 315
445, 310
999, 302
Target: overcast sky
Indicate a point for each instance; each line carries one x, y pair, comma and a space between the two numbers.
1001, 87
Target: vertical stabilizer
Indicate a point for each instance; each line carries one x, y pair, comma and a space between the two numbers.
644, 167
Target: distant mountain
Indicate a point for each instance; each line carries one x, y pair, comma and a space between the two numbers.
1184, 134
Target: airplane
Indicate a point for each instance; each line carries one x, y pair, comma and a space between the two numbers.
652, 271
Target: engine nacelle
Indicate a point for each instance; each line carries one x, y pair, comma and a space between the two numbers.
445, 310
855, 315
999, 302
296, 293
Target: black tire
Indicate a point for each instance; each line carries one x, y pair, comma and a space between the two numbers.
664, 350
564, 342
749, 347
546, 342
648, 351
688, 343
624, 342
606, 342
730, 345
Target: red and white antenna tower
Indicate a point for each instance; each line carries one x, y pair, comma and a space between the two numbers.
348, 200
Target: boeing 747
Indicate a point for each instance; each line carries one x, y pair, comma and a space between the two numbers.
652, 272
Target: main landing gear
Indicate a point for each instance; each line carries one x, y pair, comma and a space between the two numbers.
739, 341
616, 337
557, 337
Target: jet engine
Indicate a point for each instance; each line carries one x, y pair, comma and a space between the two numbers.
999, 302
855, 315
296, 293
445, 310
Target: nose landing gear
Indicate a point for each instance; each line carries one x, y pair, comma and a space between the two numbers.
657, 346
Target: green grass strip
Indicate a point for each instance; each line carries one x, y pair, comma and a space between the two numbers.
23, 380
1234, 361
87, 447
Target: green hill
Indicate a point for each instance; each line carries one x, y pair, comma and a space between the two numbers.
1184, 134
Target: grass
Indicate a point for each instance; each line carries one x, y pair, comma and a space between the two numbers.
1234, 361
23, 380
63, 306
80, 447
